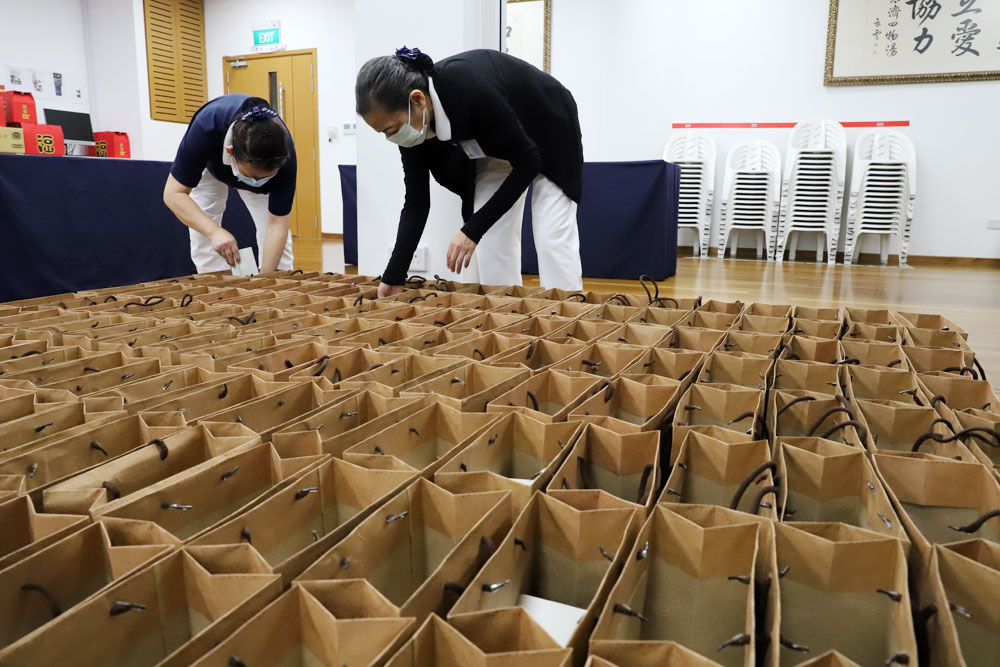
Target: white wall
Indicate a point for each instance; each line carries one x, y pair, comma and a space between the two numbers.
64, 50
327, 26
636, 66
440, 28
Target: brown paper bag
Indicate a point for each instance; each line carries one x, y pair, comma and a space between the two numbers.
984, 450
485, 348
874, 353
660, 316
27, 532
57, 578
638, 334
762, 324
604, 359
145, 465
303, 520
548, 396
68, 370
872, 383
868, 316
806, 414
470, 387
908, 428
421, 548
643, 401
886, 333
928, 321
573, 309
520, 452
930, 359
414, 370
348, 364
267, 414
395, 332
425, 343
689, 338
58, 459
843, 589
281, 365
717, 306
172, 383
769, 309
438, 644
131, 343
169, 351
752, 343
644, 654
825, 481
674, 364
957, 610
811, 376
618, 313
936, 338
442, 317
195, 500
211, 397
622, 465
681, 585
167, 614
940, 500
51, 422
735, 408
541, 355
558, 565
817, 328
52, 355
959, 393
424, 440
810, 348
534, 326
705, 319
585, 331
314, 631
342, 423
714, 472
93, 382
736, 368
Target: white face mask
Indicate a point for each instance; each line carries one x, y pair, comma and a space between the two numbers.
408, 136
252, 182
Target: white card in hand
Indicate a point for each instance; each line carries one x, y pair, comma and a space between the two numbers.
247, 265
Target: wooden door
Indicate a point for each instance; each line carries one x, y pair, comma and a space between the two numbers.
287, 80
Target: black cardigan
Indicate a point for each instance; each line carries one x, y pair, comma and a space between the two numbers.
515, 112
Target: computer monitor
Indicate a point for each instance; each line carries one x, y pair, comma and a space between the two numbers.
76, 126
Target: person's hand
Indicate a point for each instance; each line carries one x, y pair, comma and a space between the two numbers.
224, 243
460, 253
389, 290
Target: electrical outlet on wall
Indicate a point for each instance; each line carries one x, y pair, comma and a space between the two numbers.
419, 261
993, 223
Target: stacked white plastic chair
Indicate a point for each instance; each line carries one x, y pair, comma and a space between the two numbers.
695, 153
751, 195
883, 189
813, 187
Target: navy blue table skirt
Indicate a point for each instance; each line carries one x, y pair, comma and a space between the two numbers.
627, 218
69, 223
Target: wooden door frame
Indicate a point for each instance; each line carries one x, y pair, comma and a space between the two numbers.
226, 66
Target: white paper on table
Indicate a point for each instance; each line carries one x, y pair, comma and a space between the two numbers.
557, 619
247, 265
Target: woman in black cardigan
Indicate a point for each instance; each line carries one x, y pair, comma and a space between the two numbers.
486, 125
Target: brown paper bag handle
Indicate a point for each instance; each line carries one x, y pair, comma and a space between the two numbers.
753, 475
978, 523
973, 432
742, 639
800, 399
962, 370
758, 501
33, 587
822, 418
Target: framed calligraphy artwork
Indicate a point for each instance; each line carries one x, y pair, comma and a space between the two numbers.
877, 42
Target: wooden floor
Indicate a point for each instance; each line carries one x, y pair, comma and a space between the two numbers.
969, 296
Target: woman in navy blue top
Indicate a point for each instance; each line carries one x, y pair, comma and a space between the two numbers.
234, 141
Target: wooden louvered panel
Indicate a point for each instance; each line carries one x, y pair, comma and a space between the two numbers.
175, 53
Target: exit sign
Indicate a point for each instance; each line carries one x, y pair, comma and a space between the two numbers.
267, 37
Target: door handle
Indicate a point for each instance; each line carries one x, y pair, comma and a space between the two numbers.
281, 99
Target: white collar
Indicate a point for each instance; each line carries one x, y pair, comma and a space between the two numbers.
228, 141
442, 126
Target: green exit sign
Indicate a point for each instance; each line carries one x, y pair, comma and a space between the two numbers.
267, 37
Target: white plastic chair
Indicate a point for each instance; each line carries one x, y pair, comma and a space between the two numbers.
695, 154
813, 187
883, 192
751, 196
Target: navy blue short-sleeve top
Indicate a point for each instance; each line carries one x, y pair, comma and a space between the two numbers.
202, 148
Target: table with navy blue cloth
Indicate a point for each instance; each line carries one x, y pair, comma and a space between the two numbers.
76, 223
627, 219
70, 224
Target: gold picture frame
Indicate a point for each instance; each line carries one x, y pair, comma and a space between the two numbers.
547, 33
886, 79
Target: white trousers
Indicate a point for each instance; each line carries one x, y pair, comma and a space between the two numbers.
211, 195
553, 222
